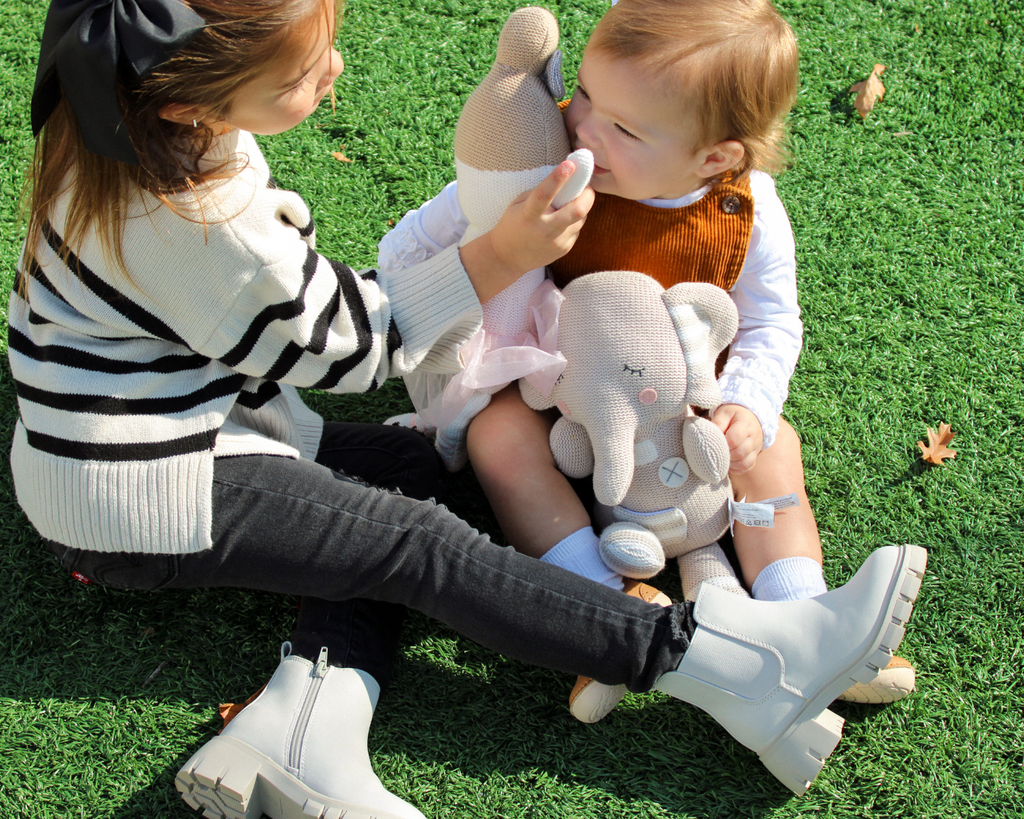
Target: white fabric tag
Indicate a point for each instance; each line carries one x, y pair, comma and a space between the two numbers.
760, 514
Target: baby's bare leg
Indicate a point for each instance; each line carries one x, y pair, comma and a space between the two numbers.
534, 503
778, 471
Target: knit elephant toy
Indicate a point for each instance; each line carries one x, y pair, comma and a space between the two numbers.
639, 360
510, 135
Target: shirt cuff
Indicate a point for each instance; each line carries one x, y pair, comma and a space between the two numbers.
756, 386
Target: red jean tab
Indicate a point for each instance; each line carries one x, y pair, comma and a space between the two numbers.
81, 578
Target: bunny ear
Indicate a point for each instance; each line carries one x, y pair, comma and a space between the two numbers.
553, 76
705, 320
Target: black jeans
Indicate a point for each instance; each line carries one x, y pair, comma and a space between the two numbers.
355, 552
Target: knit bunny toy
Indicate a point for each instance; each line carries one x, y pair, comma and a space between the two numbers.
510, 135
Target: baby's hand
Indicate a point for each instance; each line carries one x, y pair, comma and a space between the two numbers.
743, 433
530, 234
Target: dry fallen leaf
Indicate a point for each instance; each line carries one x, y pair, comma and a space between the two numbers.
340, 156
869, 91
229, 710
936, 450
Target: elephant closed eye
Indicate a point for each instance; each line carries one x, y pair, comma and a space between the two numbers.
633, 370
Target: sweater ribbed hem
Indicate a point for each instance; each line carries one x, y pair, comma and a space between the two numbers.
152, 507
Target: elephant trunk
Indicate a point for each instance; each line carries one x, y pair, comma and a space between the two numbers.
613, 466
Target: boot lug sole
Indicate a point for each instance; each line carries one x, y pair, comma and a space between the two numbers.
800, 753
227, 779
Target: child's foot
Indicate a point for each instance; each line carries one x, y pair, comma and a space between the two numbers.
591, 701
299, 749
893, 683
768, 671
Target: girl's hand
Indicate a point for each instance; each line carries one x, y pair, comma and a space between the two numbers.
529, 235
743, 434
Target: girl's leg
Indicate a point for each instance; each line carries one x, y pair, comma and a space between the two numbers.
358, 633
534, 503
295, 527
766, 671
778, 471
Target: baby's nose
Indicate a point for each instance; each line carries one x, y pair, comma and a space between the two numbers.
584, 136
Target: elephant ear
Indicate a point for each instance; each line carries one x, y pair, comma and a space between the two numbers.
705, 320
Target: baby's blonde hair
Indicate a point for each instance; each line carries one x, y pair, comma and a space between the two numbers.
240, 40
733, 62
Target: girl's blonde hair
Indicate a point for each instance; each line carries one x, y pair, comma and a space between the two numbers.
733, 62
240, 40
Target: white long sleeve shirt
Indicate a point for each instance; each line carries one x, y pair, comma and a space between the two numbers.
764, 353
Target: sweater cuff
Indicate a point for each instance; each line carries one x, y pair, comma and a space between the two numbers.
436, 311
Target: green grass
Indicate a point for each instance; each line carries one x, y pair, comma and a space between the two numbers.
909, 231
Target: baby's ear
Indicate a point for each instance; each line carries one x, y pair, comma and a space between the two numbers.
721, 157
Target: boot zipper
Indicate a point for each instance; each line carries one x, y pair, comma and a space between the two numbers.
319, 672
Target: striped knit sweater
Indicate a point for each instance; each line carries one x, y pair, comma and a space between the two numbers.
129, 387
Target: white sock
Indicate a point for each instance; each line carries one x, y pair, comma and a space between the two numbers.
579, 553
792, 578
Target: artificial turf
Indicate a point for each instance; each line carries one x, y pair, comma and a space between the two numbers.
909, 229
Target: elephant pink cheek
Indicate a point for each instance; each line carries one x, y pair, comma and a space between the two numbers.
648, 396
563, 407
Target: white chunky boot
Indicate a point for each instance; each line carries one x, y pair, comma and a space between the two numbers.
298, 751
768, 671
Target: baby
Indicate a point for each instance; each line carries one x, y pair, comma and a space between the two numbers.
683, 107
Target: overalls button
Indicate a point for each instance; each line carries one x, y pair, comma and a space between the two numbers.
731, 204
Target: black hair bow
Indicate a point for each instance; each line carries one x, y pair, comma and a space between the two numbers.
84, 44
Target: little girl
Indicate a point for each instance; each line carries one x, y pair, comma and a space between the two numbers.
168, 302
682, 106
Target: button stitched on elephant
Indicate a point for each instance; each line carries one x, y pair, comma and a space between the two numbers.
674, 472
